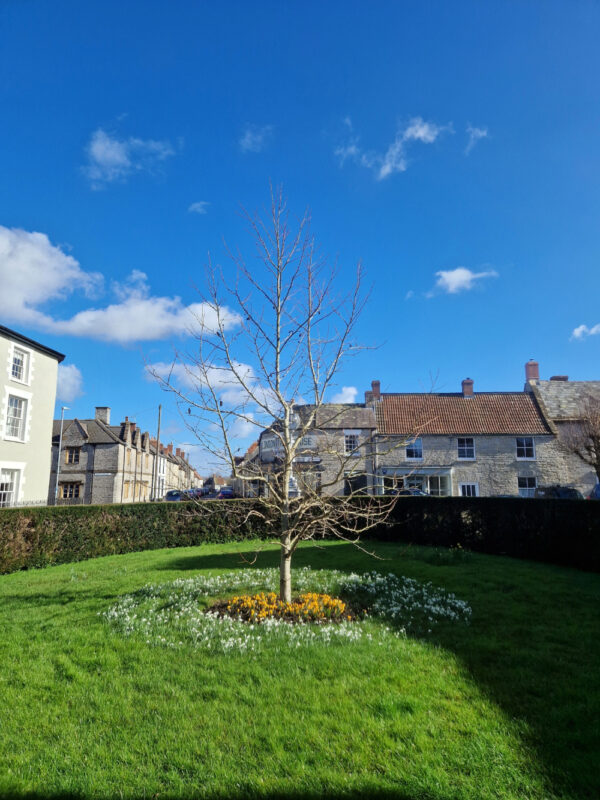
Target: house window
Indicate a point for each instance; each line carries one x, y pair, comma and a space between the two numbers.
126, 489
72, 455
69, 491
20, 366
351, 444
469, 490
527, 486
8, 487
414, 450
355, 484
466, 448
15, 417
525, 447
439, 485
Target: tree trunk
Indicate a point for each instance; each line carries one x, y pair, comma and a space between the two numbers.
285, 570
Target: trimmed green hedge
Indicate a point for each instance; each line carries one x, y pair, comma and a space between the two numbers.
38, 537
564, 532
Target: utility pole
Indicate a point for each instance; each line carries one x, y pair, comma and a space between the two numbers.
62, 422
155, 470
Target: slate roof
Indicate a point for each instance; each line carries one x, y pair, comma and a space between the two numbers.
491, 413
563, 399
98, 432
340, 415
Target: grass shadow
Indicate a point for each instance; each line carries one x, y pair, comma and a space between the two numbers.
352, 794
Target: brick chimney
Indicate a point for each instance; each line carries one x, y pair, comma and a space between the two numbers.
182, 454
467, 387
559, 378
376, 389
169, 449
103, 414
177, 452
133, 425
532, 371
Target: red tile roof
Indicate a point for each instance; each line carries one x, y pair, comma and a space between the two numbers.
484, 413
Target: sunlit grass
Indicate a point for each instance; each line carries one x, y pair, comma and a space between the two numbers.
502, 708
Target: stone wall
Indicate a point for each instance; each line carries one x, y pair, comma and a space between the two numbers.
495, 468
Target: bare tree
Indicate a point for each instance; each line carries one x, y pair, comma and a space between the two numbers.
582, 436
268, 351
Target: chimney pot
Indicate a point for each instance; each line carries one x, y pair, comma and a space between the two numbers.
177, 451
532, 370
376, 389
467, 387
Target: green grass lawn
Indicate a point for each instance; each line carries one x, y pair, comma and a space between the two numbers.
506, 707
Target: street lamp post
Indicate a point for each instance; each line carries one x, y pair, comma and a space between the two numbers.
62, 422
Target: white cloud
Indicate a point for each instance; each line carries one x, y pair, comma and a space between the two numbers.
200, 207
409, 294
70, 383
394, 158
582, 332
346, 395
139, 316
33, 271
111, 159
474, 134
460, 279
254, 138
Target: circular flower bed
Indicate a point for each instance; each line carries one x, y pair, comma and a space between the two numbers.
308, 607
187, 612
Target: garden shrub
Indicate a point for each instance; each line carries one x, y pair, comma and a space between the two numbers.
565, 532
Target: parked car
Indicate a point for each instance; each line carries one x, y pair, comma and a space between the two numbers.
558, 492
194, 494
595, 493
174, 496
226, 493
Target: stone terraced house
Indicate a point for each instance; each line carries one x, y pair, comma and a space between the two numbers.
104, 463
463, 444
562, 402
475, 444
467, 443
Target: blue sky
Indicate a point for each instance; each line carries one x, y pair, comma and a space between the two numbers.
454, 148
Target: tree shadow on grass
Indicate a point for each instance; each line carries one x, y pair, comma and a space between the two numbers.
350, 794
532, 646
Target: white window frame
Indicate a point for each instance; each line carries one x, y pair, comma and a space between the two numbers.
26, 398
527, 491
465, 484
355, 436
28, 369
16, 480
465, 447
525, 458
412, 444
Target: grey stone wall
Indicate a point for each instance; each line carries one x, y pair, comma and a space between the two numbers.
495, 467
